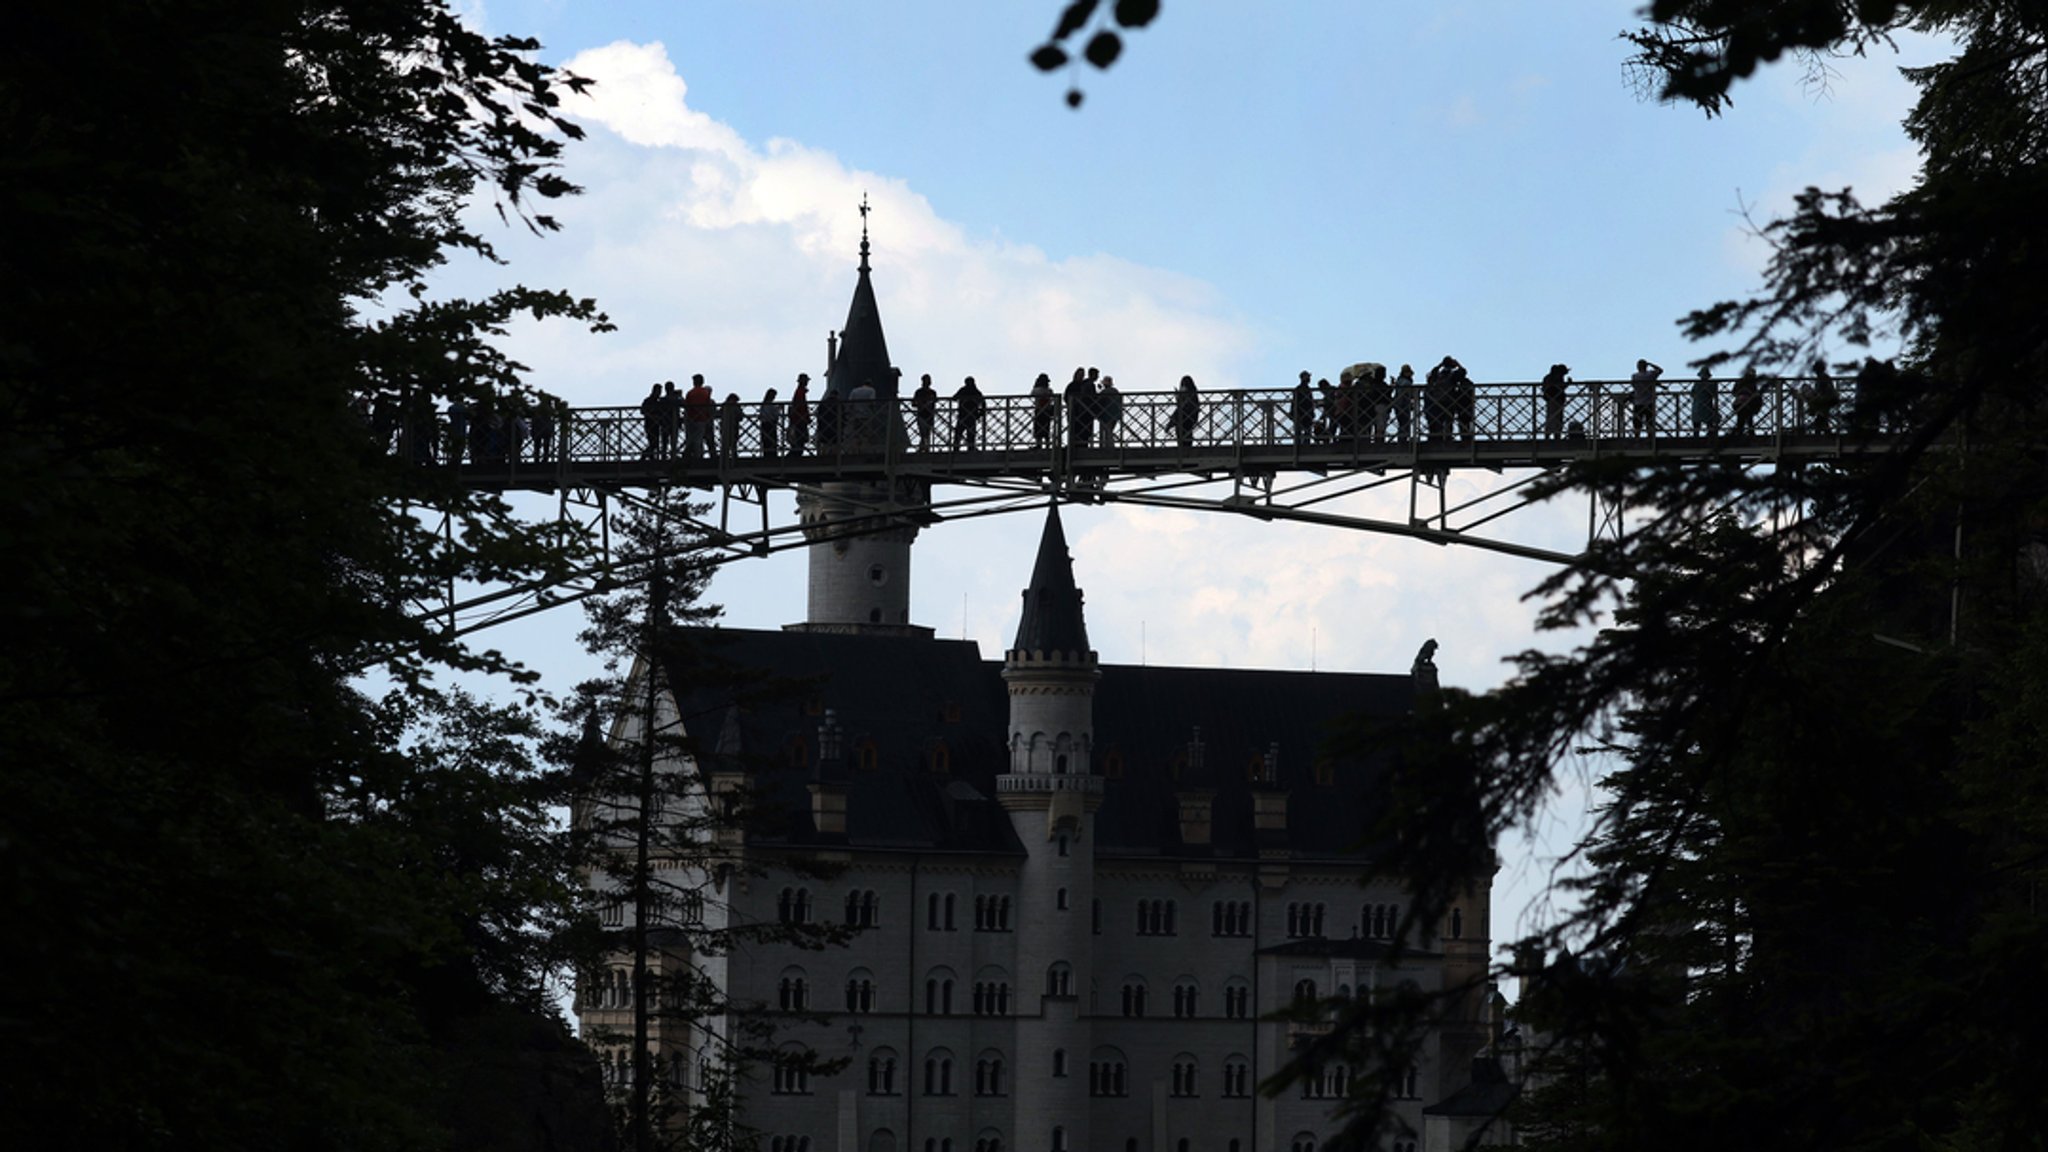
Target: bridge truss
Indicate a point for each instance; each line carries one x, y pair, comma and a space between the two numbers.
1241, 453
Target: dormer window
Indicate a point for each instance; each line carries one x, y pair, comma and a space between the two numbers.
867, 756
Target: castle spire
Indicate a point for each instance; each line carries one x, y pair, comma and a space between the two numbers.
1053, 620
863, 349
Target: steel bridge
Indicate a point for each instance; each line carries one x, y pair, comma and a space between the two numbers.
1251, 452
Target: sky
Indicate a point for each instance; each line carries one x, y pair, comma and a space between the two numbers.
1251, 191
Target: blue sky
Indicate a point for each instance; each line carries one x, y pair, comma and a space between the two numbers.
1250, 191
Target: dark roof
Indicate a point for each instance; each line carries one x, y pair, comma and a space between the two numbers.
1488, 1094
1052, 619
933, 717
863, 350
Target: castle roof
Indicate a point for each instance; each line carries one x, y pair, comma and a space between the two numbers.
923, 723
1052, 619
863, 350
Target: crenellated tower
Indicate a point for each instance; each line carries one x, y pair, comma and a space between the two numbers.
1051, 793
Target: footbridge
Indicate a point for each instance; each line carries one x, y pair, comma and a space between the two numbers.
1258, 452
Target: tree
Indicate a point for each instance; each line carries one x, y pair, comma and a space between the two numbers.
249, 906
1809, 914
661, 795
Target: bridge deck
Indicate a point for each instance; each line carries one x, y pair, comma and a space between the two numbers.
1242, 433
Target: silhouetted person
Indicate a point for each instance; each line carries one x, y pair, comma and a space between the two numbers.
858, 420
1109, 412
729, 416
545, 412
1437, 401
1187, 412
1302, 410
925, 404
1643, 397
1556, 389
1080, 409
769, 415
698, 409
1041, 410
800, 415
650, 421
1749, 399
1464, 400
829, 413
968, 407
458, 430
1405, 390
1821, 398
1706, 404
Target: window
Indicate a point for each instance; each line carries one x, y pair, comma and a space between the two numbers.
938, 912
989, 1144
1183, 1081
1326, 772
790, 1144
790, 1077
1304, 919
1237, 1077
861, 908
1410, 1085
1059, 1062
882, 1073
1333, 1082
1184, 1001
1095, 916
936, 1144
1134, 998
612, 913
1304, 991
793, 906
1063, 843
938, 996
1060, 899
1230, 918
794, 993
1237, 1001
942, 758
799, 753
991, 913
1059, 1139
938, 1074
988, 1076
1457, 923
1106, 1077
1306, 1142
693, 907
1059, 979
1156, 917
949, 911
867, 755
991, 998
860, 992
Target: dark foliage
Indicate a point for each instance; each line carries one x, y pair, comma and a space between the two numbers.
247, 906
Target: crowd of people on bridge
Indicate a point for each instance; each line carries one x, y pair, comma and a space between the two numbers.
1368, 404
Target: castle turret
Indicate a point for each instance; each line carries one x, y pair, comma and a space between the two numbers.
1051, 793
860, 548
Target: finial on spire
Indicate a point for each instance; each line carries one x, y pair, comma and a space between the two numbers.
864, 230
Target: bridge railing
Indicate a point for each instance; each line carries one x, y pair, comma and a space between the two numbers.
1025, 432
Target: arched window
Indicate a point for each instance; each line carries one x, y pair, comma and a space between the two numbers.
790, 1075
1185, 1006
1237, 1077
867, 755
1237, 999
860, 991
938, 1073
1457, 923
793, 993
1305, 1142
882, 1073
949, 911
1304, 991
931, 912
1184, 1076
1059, 979
988, 1074
1107, 1073
1059, 1139
1134, 996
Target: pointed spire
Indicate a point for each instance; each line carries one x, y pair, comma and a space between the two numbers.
863, 350
1053, 619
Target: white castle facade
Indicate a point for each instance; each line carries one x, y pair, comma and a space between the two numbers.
1075, 891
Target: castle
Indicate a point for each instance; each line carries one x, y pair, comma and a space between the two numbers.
1075, 890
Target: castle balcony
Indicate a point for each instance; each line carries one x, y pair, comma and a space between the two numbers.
1019, 783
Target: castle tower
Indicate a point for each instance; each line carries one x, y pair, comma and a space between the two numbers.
860, 554
1051, 793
